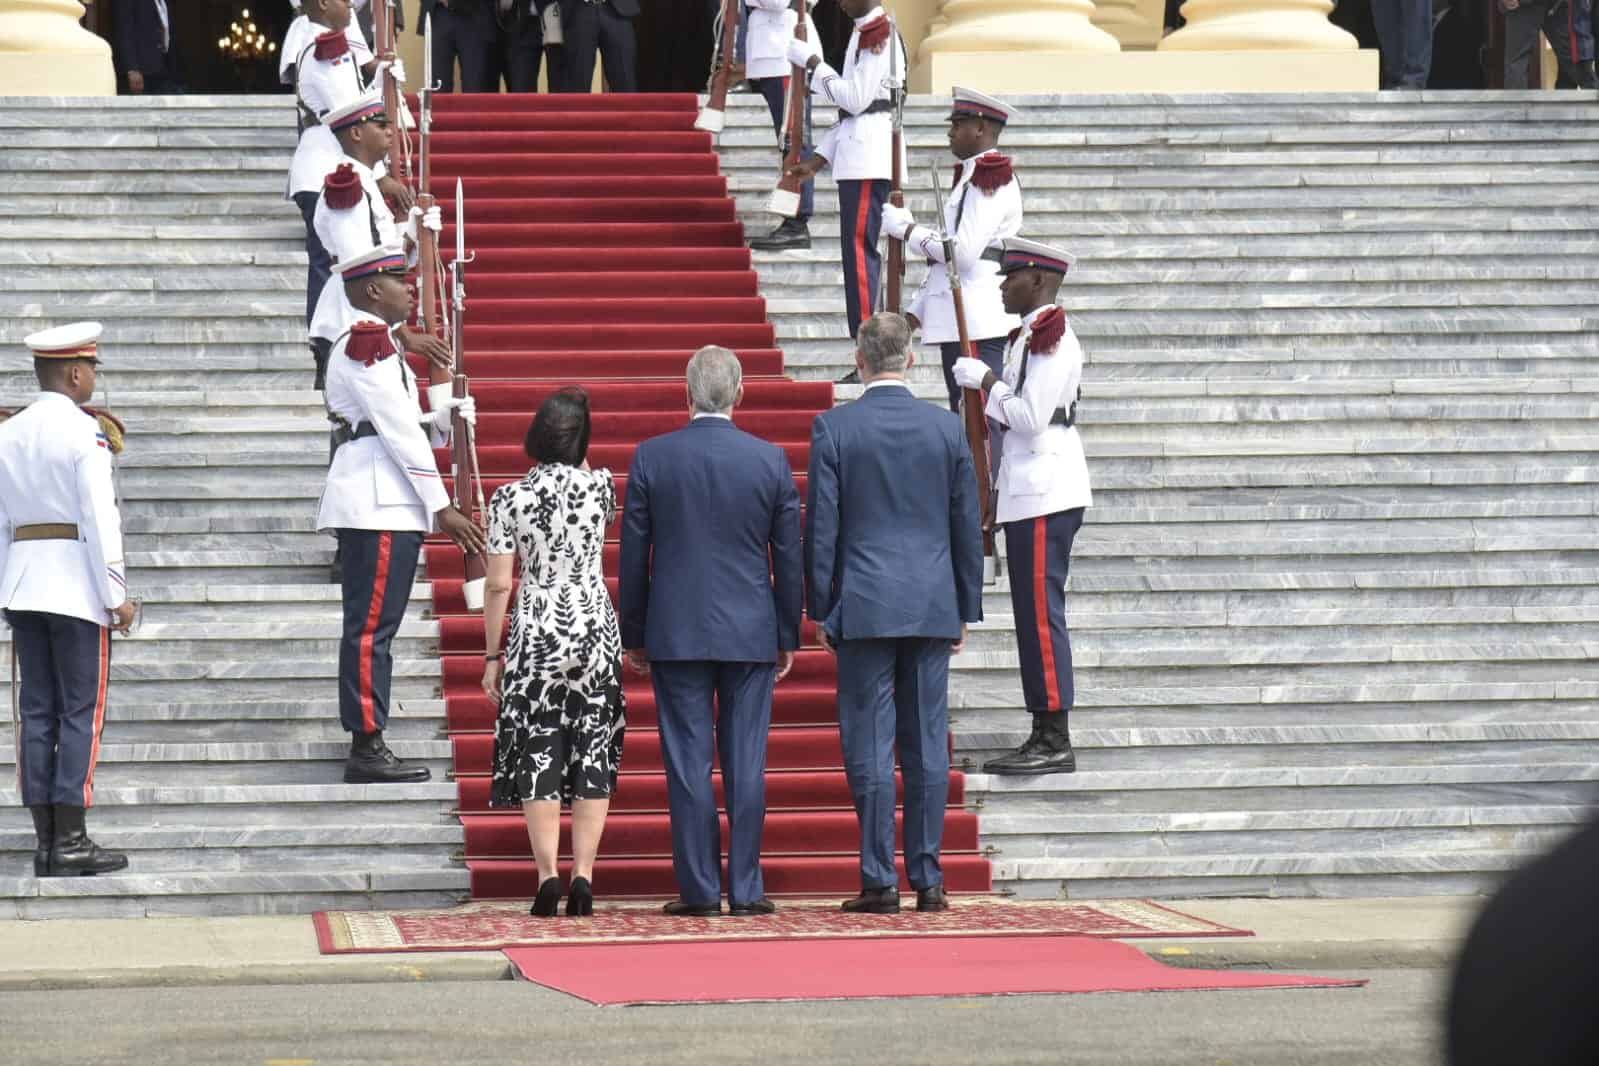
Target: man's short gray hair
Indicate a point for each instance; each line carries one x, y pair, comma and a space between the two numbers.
714, 377
884, 341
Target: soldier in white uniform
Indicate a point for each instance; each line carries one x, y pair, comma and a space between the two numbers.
983, 208
769, 27
384, 494
64, 587
352, 218
1042, 490
859, 146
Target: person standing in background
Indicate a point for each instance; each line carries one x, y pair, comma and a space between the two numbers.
599, 29
465, 30
1404, 36
770, 25
144, 46
1569, 26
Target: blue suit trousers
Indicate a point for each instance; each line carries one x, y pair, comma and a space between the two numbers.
896, 691
691, 696
64, 664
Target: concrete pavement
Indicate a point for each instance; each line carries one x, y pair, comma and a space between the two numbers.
1300, 934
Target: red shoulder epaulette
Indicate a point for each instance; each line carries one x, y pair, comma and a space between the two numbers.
992, 172
332, 44
1048, 329
342, 188
874, 34
370, 342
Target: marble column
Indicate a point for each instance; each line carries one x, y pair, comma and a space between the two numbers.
1014, 26
1255, 25
1135, 23
44, 52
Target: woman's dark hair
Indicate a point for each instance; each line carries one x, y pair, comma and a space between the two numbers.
560, 431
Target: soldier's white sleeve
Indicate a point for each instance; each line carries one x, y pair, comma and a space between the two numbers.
385, 403
985, 221
856, 92
5, 535
101, 525
1052, 381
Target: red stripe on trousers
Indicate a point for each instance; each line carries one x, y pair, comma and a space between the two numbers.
1571, 32
99, 714
369, 632
1046, 641
863, 206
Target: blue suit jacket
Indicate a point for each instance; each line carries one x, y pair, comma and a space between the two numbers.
711, 562
893, 540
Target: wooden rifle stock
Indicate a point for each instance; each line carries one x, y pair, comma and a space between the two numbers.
786, 199
383, 30
463, 457
893, 295
427, 259
722, 76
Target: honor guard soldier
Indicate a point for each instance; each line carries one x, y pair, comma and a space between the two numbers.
64, 588
301, 32
383, 495
352, 218
1042, 490
769, 27
983, 208
859, 146
330, 72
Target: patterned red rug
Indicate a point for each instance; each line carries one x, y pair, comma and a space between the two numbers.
491, 926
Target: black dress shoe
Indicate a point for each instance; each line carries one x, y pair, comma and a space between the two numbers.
548, 899
72, 853
372, 763
580, 899
752, 908
792, 233
874, 901
932, 899
683, 909
1047, 751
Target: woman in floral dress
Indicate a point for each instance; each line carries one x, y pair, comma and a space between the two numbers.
558, 683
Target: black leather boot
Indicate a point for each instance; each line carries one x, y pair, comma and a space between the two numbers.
372, 763
874, 901
44, 830
792, 233
72, 853
1047, 751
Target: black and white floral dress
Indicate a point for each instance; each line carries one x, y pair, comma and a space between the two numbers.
562, 713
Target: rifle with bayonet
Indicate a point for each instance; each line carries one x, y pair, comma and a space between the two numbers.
893, 291
383, 30
713, 116
785, 200
466, 482
971, 399
427, 259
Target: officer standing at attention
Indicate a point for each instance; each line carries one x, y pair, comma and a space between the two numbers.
383, 495
770, 27
859, 146
983, 208
1042, 490
64, 588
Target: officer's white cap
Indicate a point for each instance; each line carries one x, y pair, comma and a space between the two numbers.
80, 340
1021, 254
351, 112
972, 102
384, 259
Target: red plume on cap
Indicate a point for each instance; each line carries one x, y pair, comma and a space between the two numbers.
874, 33
369, 343
992, 172
342, 188
332, 44
1048, 329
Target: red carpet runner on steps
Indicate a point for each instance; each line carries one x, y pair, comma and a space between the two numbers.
607, 252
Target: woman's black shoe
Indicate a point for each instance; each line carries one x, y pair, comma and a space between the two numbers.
580, 900
548, 899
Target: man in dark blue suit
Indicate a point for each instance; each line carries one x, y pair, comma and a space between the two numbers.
711, 591
894, 571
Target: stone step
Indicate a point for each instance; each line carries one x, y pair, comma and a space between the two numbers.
297, 850
1188, 710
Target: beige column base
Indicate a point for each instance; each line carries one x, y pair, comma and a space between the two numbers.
1017, 27
1222, 25
44, 52
1137, 24
1149, 72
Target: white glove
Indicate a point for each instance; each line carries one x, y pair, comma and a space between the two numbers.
800, 52
969, 372
433, 220
411, 220
397, 68
897, 221
440, 418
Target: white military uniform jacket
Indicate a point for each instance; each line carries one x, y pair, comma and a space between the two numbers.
979, 220
55, 467
1041, 466
389, 481
767, 31
302, 31
859, 147
347, 233
322, 85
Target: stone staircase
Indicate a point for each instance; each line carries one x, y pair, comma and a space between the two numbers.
1334, 610
221, 768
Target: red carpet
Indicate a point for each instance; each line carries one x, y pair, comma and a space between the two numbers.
749, 971
488, 926
608, 250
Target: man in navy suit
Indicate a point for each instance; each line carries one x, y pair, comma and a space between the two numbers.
711, 599
144, 46
894, 571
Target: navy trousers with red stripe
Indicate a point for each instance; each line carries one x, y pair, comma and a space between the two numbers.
860, 206
1038, 555
64, 664
379, 567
